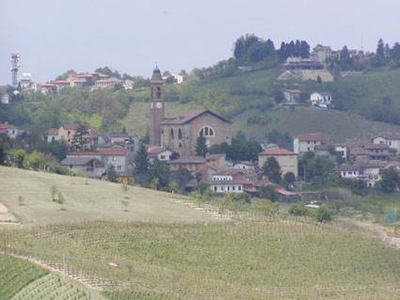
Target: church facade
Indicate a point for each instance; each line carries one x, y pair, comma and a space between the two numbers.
180, 133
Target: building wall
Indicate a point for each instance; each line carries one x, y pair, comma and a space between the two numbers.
185, 144
227, 188
119, 162
288, 163
66, 134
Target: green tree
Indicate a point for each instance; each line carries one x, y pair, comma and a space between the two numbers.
379, 58
323, 214
159, 173
272, 170
390, 180
35, 160
182, 177
80, 140
289, 178
201, 146
141, 165
111, 174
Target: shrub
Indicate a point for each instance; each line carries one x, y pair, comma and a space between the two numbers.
323, 214
298, 209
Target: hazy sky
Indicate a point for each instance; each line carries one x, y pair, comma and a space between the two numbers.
131, 36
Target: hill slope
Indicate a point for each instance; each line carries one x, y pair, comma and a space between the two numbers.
27, 194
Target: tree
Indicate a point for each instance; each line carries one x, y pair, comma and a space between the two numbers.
379, 59
345, 61
111, 174
272, 170
201, 146
289, 179
390, 180
182, 177
80, 140
395, 55
141, 164
159, 173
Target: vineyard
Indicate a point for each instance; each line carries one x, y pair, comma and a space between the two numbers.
241, 259
21, 280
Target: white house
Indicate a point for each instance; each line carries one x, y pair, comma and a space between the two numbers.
221, 183
321, 99
390, 139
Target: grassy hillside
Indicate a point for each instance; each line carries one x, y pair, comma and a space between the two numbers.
280, 259
183, 252
247, 100
87, 199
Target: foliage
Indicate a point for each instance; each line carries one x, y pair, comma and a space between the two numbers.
201, 146
299, 209
267, 192
317, 169
390, 180
141, 165
159, 174
81, 140
272, 170
182, 177
111, 173
323, 214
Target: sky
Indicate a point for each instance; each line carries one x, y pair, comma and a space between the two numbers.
133, 36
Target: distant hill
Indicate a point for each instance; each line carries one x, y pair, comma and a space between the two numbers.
247, 99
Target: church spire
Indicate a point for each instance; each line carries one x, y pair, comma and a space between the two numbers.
157, 111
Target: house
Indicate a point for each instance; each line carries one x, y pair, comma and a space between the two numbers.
193, 164
321, 99
299, 63
108, 83
160, 153
10, 130
66, 132
119, 158
287, 160
44, 87
390, 139
52, 135
216, 161
61, 84
230, 181
119, 138
84, 166
365, 150
245, 165
292, 96
180, 133
307, 142
368, 171
321, 53
286, 196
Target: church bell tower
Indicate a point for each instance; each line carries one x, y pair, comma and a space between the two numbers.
157, 110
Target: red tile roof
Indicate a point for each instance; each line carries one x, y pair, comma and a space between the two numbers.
7, 126
276, 152
69, 126
52, 131
312, 137
113, 151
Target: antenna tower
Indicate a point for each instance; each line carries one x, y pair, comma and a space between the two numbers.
14, 68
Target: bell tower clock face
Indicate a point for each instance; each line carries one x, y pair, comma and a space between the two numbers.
159, 105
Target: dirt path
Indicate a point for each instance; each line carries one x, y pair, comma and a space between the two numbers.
377, 231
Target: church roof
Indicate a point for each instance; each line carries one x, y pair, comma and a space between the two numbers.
189, 116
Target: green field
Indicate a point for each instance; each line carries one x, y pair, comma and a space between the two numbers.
87, 199
165, 247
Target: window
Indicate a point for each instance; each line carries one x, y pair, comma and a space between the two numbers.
172, 133
158, 92
215, 188
179, 134
239, 188
206, 131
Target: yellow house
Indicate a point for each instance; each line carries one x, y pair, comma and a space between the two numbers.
286, 159
67, 132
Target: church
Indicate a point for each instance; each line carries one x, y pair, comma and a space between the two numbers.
180, 133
